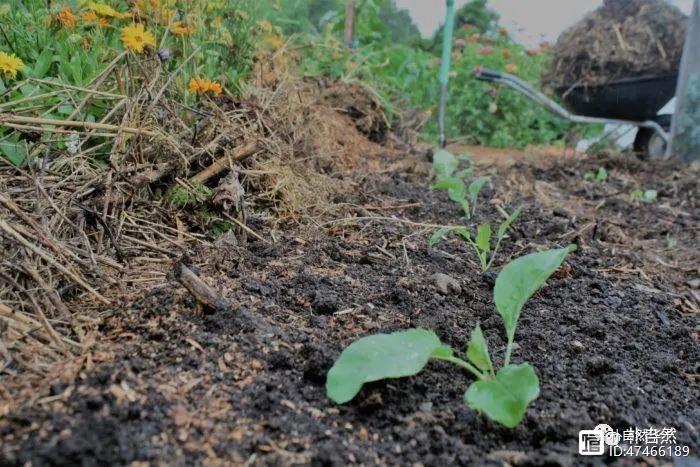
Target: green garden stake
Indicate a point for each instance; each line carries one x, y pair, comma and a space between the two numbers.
445, 67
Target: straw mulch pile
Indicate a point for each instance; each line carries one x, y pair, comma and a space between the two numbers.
86, 227
622, 38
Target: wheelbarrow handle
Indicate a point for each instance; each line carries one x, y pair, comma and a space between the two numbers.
488, 75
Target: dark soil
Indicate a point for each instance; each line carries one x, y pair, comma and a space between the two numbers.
613, 335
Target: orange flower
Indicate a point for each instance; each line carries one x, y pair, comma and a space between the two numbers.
91, 18
486, 50
474, 37
180, 29
67, 18
511, 68
506, 53
488, 39
201, 86
503, 31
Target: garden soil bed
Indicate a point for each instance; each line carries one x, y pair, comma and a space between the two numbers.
613, 335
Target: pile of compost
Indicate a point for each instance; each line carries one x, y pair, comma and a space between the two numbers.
622, 38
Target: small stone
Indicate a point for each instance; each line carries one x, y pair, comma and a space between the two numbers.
694, 283
446, 285
508, 457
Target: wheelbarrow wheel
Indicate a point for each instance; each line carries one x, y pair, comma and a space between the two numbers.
648, 144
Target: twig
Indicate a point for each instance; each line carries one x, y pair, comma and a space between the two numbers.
5, 227
9, 118
204, 294
223, 163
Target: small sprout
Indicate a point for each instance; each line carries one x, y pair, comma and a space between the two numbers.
453, 181
482, 244
646, 196
599, 175
502, 396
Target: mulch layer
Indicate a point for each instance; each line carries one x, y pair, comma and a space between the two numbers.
613, 335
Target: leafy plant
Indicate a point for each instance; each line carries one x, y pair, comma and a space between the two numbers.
481, 243
501, 395
454, 182
599, 175
646, 196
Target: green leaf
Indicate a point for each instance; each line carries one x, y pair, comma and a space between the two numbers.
15, 152
445, 163
505, 225
43, 63
601, 175
520, 279
478, 350
505, 398
483, 238
649, 195
439, 235
464, 232
402, 353
444, 351
476, 186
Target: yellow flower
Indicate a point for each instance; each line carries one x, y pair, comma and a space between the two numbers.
201, 86
67, 18
10, 64
180, 29
216, 22
265, 25
106, 10
511, 68
136, 38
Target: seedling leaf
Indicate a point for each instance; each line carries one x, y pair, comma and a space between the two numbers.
478, 351
483, 238
520, 279
476, 186
402, 353
445, 163
439, 235
505, 225
505, 398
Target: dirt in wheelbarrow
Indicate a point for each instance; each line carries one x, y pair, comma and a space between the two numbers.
613, 335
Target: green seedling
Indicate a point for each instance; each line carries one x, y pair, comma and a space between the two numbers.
453, 181
599, 175
481, 244
646, 196
501, 395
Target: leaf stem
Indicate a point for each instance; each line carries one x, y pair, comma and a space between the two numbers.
493, 255
466, 365
509, 350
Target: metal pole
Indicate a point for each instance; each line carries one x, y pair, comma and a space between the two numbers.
445, 67
349, 32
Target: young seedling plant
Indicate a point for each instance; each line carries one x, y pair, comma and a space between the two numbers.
503, 395
646, 196
481, 244
599, 175
453, 181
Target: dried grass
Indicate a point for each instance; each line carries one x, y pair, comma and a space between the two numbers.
622, 38
79, 236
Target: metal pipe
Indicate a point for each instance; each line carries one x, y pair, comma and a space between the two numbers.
524, 88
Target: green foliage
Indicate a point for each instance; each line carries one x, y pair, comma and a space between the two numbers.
378, 357
599, 175
474, 17
455, 183
503, 396
506, 397
183, 197
518, 281
645, 196
482, 244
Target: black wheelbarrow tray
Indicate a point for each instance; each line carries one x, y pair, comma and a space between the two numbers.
628, 101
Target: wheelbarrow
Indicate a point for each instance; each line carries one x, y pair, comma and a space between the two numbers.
628, 101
